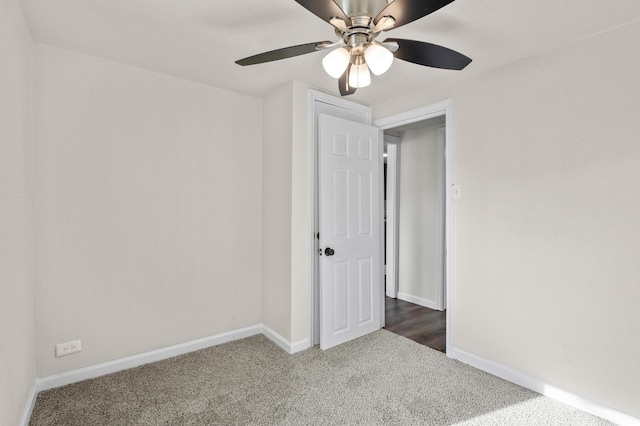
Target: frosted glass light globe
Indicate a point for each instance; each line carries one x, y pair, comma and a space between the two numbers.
336, 62
359, 76
378, 58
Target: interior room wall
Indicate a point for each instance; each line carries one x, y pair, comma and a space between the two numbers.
300, 220
285, 206
546, 247
420, 215
17, 350
276, 207
149, 216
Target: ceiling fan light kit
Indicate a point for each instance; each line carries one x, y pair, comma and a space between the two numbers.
357, 53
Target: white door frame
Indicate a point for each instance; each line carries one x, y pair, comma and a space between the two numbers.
392, 144
323, 103
420, 114
441, 289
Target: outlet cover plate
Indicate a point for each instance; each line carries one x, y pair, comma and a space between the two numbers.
68, 348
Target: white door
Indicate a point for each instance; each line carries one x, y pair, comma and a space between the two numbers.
350, 164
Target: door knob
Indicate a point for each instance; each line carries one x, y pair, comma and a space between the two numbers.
329, 251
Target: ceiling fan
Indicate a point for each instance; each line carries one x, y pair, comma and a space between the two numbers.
358, 23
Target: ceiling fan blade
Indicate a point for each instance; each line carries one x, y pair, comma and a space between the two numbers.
325, 10
284, 53
343, 84
429, 55
405, 11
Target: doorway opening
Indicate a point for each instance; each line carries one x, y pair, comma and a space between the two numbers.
414, 224
443, 110
415, 228
423, 175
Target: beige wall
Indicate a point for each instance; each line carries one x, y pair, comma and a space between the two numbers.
546, 235
300, 220
420, 212
285, 250
17, 347
148, 201
276, 207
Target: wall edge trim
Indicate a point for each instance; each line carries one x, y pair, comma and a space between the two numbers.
29, 405
108, 367
284, 344
491, 367
418, 301
544, 388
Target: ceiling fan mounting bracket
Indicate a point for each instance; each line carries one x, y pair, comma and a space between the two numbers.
360, 22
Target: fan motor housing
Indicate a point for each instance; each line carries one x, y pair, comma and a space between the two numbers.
355, 8
358, 41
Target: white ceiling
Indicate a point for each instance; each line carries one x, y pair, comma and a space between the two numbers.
199, 40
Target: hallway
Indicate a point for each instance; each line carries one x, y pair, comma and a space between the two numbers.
423, 325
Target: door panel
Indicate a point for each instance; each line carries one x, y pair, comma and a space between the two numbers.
365, 205
365, 273
350, 163
340, 296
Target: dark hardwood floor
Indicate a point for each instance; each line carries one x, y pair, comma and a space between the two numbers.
423, 325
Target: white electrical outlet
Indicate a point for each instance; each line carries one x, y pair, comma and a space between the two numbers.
68, 348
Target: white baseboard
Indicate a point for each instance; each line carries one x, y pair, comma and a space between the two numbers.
28, 406
289, 347
544, 388
418, 301
490, 367
126, 363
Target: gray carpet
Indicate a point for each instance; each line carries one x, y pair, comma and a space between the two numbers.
253, 382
